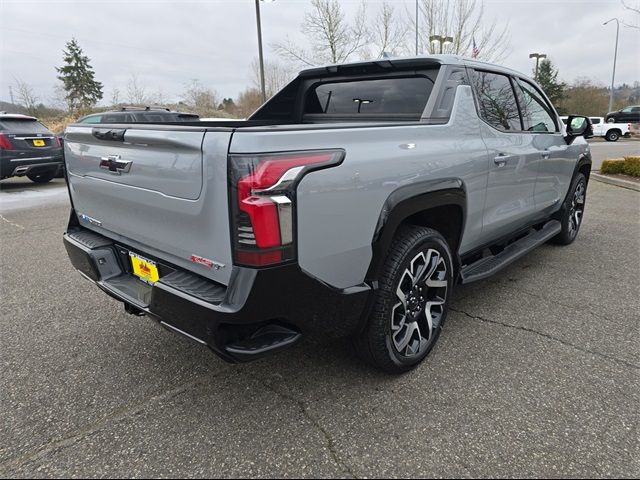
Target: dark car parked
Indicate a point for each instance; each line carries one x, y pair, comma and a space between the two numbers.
28, 148
630, 114
139, 115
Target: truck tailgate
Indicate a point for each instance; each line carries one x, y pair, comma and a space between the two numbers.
155, 191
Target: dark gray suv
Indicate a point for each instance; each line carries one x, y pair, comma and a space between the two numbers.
630, 114
28, 148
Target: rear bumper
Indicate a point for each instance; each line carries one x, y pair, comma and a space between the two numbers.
260, 312
19, 166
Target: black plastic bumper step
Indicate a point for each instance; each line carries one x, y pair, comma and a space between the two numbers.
487, 266
130, 288
195, 286
90, 239
265, 340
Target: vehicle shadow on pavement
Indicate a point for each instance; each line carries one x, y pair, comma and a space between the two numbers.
17, 184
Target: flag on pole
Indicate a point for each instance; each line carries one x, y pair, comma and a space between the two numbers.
476, 50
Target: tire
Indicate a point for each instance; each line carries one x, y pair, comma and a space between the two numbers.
42, 177
611, 120
612, 136
572, 211
407, 314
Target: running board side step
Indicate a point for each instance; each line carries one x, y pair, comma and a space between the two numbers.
487, 266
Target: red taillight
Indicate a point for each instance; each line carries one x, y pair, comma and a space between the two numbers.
263, 203
5, 143
58, 144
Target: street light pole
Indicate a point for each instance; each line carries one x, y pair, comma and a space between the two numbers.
537, 56
441, 39
615, 57
416, 27
262, 88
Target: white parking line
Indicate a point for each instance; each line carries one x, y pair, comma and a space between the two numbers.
32, 198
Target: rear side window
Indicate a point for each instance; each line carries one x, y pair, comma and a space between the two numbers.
594, 121
92, 119
497, 100
113, 118
391, 96
22, 126
537, 114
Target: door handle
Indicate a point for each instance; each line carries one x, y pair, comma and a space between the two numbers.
501, 159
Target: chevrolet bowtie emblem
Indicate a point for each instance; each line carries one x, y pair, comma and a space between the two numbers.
115, 164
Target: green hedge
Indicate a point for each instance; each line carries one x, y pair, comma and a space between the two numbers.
612, 166
628, 166
632, 166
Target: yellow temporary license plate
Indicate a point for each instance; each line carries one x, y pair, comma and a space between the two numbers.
144, 269
38, 143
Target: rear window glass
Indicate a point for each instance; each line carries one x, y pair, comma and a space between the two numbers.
594, 121
22, 126
383, 96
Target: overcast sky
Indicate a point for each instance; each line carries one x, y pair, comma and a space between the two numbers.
168, 42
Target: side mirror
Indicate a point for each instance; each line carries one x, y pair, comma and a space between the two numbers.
578, 126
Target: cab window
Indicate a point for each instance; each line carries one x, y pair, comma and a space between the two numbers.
537, 114
497, 101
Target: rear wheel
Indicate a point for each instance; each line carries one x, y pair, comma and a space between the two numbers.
411, 303
42, 177
572, 211
612, 136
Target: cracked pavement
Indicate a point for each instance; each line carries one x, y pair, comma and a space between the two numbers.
536, 374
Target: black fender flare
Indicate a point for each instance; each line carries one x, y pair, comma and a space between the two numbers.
406, 201
583, 159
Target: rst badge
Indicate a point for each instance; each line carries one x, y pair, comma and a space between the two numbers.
206, 262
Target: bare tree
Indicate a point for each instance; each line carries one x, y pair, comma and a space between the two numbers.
26, 96
201, 100
58, 99
388, 35
160, 98
332, 37
276, 76
115, 96
248, 102
464, 21
136, 92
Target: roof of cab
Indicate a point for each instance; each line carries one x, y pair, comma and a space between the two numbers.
408, 62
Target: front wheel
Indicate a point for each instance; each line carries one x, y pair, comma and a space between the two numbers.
572, 211
411, 302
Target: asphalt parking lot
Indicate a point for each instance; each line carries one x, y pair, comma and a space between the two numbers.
537, 374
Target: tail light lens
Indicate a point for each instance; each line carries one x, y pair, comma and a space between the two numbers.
263, 203
58, 143
5, 143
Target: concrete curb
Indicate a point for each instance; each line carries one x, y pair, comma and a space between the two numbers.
615, 181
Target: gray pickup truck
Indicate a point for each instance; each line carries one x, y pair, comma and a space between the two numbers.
350, 204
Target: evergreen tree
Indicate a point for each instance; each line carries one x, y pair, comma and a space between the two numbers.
82, 90
547, 78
